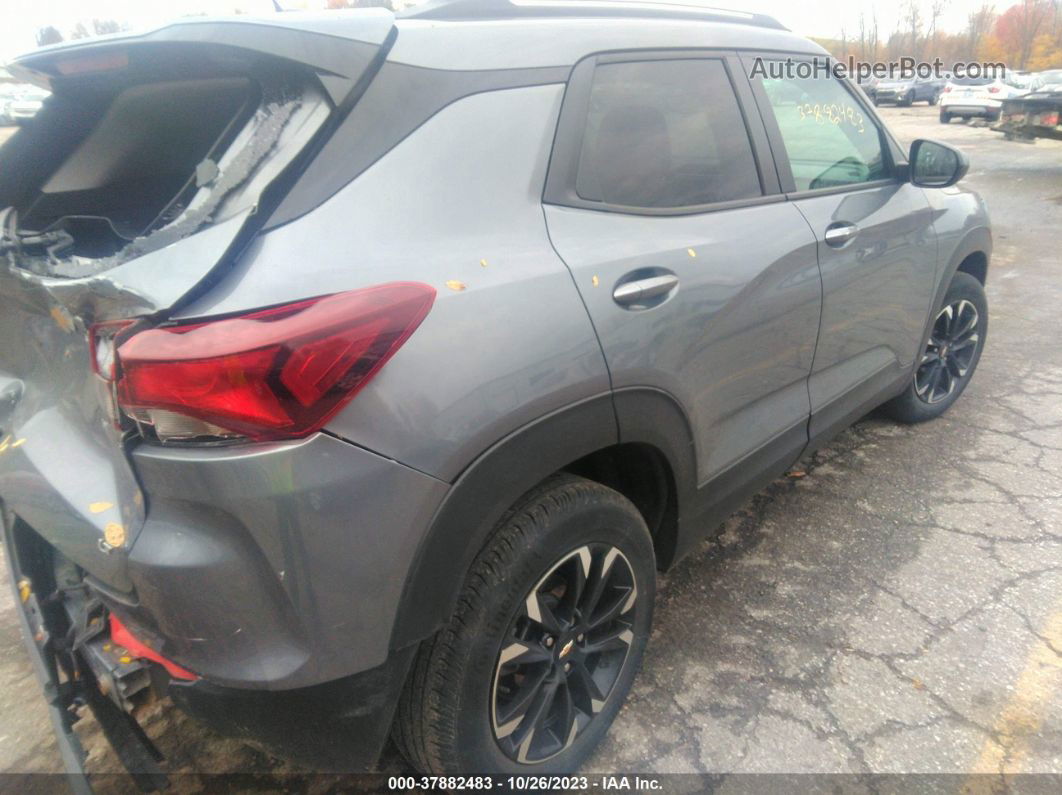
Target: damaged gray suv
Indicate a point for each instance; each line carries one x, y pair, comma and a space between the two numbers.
358, 373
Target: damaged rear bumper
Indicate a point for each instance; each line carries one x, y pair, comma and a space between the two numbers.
69, 684
338, 726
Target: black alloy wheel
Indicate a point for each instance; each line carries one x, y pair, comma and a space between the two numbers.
949, 352
563, 653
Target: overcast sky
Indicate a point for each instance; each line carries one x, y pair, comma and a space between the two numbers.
22, 18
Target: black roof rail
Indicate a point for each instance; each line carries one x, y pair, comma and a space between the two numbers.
467, 10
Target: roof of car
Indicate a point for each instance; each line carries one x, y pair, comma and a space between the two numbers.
631, 9
499, 34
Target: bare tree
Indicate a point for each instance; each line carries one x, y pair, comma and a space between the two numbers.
105, 26
361, 4
978, 24
48, 35
80, 31
912, 19
936, 9
1018, 27
874, 35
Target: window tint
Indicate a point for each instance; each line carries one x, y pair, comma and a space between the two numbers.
829, 140
665, 134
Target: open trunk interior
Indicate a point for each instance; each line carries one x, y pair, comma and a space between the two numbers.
130, 157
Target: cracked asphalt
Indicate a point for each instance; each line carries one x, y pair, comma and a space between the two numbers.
892, 606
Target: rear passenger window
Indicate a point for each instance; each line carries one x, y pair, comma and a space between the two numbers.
665, 134
829, 140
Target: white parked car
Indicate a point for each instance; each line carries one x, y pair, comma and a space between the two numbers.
967, 97
8, 93
26, 106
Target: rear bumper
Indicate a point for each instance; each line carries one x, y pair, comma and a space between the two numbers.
971, 107
337, 727
273, 567
43, 662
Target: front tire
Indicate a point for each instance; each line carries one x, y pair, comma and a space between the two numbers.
545, 643
950, 356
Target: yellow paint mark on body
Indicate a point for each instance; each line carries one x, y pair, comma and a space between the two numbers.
114, 534
691, 252
482, 263
62, 318
18, 443
595, 281
455, 285
100, 507
1023, 715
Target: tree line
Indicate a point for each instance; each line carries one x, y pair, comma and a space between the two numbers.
1026, 35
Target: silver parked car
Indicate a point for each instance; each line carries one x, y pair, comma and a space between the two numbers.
359, 373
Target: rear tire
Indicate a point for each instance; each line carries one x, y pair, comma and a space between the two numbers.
951, 354
523, 638
945, 117
933, 99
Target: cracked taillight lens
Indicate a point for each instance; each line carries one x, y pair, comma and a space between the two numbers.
277, 373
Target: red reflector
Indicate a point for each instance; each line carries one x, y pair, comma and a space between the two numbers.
106, 62
123, 637
275, 373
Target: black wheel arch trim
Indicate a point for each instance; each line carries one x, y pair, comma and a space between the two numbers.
976, 241
489, 486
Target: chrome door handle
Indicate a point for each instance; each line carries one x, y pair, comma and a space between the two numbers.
838, 234
639, 290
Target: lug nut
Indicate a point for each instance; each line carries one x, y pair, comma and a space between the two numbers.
549, 642
567, 667
580, 638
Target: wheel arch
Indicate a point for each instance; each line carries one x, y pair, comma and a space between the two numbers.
635, 440
976, 264
971, 255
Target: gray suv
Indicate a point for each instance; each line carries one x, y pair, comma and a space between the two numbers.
358, 373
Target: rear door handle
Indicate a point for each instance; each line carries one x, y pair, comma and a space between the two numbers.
840, 233
641, 290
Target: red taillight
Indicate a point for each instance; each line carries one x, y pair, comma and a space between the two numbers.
947, 89
993, 89
1048, 119
272, 374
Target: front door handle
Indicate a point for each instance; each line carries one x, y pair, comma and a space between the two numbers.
641, 291
840, 234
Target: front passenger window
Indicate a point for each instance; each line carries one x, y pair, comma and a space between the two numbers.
830, 142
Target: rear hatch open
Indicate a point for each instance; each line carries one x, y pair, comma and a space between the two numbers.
133, 189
